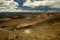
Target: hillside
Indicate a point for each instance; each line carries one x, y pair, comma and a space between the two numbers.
30, 27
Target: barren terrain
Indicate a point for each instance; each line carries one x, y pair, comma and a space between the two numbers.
31, 27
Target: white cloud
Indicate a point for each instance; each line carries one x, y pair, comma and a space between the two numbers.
56, 5
9, 4
51, 3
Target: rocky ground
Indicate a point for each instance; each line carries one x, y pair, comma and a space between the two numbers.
31, 27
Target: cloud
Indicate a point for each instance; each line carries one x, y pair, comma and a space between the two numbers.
56, 5
51, 3
9, 4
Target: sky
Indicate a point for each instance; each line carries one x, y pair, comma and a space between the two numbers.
32, 4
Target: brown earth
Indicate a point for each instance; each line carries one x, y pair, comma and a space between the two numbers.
31, 27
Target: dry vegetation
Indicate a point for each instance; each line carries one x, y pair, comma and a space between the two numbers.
31, 27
